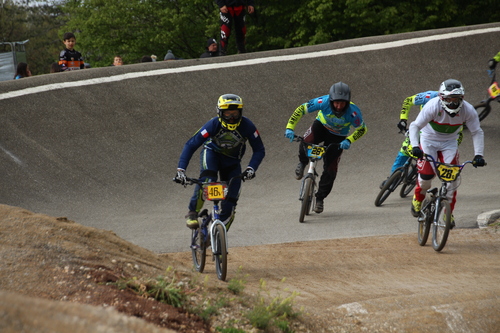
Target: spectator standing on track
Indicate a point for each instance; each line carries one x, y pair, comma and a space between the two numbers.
332, 125
232, 13
69, 58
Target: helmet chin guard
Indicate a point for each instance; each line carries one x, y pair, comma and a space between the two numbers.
230, 110
451, 94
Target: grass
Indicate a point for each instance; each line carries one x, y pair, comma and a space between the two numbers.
266, 311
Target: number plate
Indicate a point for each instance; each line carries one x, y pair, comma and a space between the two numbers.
448, 173
494, 90
215, 191
315, 151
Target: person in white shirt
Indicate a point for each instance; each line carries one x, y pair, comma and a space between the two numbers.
435, 132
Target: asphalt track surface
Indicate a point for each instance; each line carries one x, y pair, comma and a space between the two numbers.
100, 146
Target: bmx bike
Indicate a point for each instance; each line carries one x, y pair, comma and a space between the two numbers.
309, 185
211, 231
405, 175
483, 108
436, 210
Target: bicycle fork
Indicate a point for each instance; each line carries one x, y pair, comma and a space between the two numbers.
311, 171
215, 245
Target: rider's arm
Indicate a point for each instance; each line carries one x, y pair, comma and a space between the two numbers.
358, 133
474, 127
258, 150
356, 119
407, 104
297, 114
202, 135
497, 57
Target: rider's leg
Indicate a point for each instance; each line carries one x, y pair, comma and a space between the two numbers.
226, 23
399, 161
450, 155
230, 169
208, 173
330, 168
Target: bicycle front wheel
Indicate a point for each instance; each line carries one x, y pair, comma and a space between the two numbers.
424, 221
307, 198
441, 225
483, 109
410, 182
220, 253
389, 187
198, 249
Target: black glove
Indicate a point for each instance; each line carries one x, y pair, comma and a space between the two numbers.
492, 63
248, 174
478, 161
417, 152
181, 177
402, 125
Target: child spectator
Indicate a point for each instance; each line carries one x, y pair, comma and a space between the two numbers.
69, 58
117, 61
22, 71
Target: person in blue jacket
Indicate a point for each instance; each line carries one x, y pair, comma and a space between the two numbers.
336, 115
224, 143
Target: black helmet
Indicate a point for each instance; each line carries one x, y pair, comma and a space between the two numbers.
340, 92
230, 102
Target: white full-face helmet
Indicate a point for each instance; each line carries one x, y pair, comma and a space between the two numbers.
451, 93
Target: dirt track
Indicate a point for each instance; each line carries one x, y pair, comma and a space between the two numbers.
51, 266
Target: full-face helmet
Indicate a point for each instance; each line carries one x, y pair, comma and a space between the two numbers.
339, 92
451, 93
229, 110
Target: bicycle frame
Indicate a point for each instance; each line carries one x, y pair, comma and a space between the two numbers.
308, 185
447, 173
211, 223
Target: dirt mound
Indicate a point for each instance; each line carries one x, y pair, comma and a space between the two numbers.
56, 274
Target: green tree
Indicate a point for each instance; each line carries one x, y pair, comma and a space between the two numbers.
133, 28
39, 24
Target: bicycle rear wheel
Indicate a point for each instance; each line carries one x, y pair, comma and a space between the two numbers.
424, 221
307, 198
220, 253
389, 187
410, 182
441, 226
198, 249
483, 109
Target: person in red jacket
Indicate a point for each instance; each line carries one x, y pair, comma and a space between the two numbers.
233, 12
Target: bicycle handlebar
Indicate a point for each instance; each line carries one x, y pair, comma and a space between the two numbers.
436, 163
191, 181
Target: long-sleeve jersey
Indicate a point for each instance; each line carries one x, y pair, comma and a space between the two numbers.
417, 99
229, 143
336, 125
234, 3
497, 57
436, 124
71, 60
